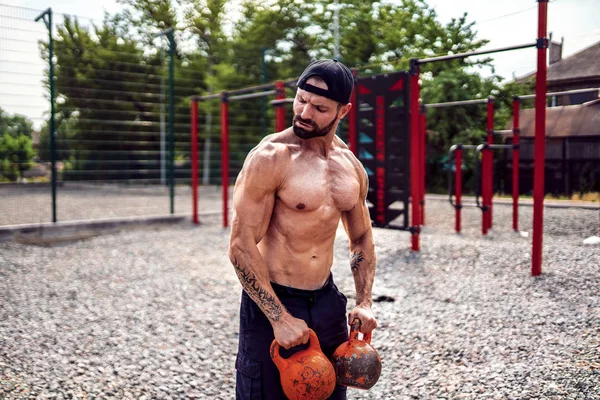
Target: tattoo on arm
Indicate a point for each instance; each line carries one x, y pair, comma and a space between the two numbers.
355, 260
265, 301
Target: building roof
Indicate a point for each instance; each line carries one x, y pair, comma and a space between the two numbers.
583, 65
565, 121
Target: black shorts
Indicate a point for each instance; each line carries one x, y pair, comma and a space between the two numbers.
323, 310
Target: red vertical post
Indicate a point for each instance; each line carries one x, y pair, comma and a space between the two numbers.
515, 162
423, 161
415, 183
540, 140
225, 156
194, 149
352, 134
458, 185
488, 170
280, 109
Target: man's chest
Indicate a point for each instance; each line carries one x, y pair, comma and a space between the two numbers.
311, 186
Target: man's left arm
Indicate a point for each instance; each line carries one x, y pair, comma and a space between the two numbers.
357, 223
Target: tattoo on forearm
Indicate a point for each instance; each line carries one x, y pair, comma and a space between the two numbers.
355, 260
264, 300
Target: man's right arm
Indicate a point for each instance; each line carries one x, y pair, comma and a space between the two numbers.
253, 202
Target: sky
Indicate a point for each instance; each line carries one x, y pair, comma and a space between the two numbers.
503, 23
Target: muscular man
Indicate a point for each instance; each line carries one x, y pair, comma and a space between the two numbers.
293, 189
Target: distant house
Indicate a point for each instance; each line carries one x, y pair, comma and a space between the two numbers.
572, 126
572, 148
580, 70
579, 120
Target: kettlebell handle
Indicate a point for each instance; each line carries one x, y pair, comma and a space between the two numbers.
354, 329
282, 363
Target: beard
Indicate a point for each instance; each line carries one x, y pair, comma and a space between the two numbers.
316, 131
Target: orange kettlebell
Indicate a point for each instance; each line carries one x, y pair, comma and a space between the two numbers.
306, 375
357, 364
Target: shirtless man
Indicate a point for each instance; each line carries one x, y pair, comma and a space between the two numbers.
293, 189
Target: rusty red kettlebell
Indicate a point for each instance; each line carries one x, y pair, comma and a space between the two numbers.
306, 375
357, 364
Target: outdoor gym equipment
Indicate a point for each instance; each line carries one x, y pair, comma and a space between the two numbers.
307, 374
277, 89
485, 179
540, 132
389, 155
481, 179
357, 364
455, 154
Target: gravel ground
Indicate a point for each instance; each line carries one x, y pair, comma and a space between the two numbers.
152, 313
32, 204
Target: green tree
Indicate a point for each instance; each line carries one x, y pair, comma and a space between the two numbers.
15, 125
107, 95
110, 77
16, 151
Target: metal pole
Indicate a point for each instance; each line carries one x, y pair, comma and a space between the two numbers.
540, 140
423, 163
458, 186
263, 79
52, 128
352, 137
170, 36
249, 89
194, 123
490, 128
487, 175
474, 53
336, 30
574, 91
207, 155
162, 131
456, 103
415, 184
515, 166
225, 157
253, 95
280, 109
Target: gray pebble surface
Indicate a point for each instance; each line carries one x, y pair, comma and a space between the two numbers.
152, 313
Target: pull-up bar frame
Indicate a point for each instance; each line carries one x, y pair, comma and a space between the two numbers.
563, 93
455, 153
451, 57
456, 103
480, 177
277, 89
540, 132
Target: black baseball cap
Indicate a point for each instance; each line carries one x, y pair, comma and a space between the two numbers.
336, 75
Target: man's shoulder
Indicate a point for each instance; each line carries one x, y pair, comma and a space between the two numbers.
347, 154
272, 149
345, 151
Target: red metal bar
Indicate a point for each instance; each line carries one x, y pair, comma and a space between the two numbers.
194, 123
380, 202
487, 177
515, 166
490, 124
352, 136
423, 162
458, 186
415, 184
225, 157
280, 110
540, 141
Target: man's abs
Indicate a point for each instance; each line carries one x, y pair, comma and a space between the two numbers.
298, 254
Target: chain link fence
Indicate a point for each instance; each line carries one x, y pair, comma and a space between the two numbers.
111, 149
